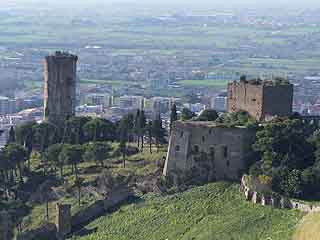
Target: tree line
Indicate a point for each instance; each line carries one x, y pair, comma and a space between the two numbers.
79, 139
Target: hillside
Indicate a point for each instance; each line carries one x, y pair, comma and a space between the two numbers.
215, 211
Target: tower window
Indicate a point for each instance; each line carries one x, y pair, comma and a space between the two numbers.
181, 134
212, 153
203, 139
177, 148
228, 163
225, 151
196, 149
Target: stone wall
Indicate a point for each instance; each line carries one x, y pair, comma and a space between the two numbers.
209, 151
66, 224
47, 231
98, 208
5, 226
275, 201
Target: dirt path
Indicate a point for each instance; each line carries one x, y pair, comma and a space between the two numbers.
309, 228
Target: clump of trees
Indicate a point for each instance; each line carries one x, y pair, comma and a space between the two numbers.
79, 139
289, 154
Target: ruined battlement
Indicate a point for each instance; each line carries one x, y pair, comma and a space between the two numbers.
207, 150
61, 55
263, 100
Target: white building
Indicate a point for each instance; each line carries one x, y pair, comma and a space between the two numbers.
133, 102
98, 99
219, 103
4, 105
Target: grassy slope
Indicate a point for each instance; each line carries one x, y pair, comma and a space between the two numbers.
309, 228
147, 166
214, 211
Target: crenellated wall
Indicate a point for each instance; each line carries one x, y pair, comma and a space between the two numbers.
274, 200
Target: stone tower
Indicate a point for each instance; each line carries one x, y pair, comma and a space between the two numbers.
263, 100
63, 219
60, 87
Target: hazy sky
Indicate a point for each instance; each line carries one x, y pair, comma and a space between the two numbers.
227, 3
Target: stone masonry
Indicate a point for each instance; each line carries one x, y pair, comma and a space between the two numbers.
60, 87
5, 226
208, 151
263, 100
63, 219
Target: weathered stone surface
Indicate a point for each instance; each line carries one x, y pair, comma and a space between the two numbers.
60, 87
5, 226
248, 194
63, 219
265, 200
47, 231
259, 99
255, 198
208, 151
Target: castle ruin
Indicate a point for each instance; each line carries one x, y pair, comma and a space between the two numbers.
263, 100
60, 87
208, 151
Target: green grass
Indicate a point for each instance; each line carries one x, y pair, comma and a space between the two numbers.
204, 83
140, 164
97, 81
215, 211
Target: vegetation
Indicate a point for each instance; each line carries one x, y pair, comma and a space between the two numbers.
208, 115
81, 150
187, 114
214, 211
288, 151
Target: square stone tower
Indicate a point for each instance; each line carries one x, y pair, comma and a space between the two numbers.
263, 100
60, 76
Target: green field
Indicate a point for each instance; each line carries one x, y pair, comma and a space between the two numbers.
112, 82
215, 211
204, 83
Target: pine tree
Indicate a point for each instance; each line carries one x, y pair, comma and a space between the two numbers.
136, 126
158, 131
173, 116
142, 127
12, 135
149, 130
